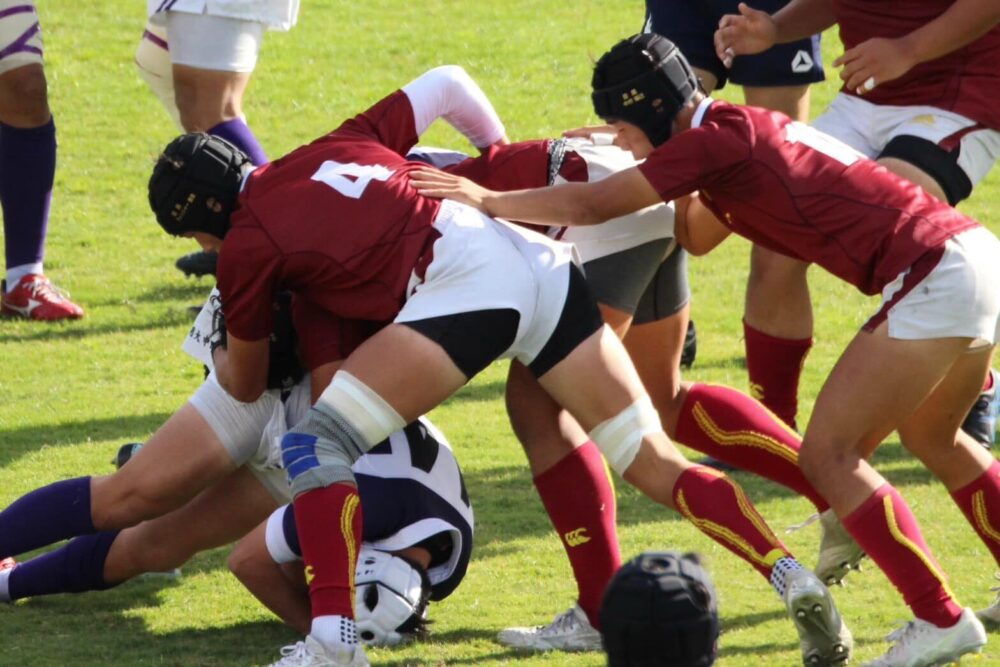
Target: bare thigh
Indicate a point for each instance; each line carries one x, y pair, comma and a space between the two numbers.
655, 349
180, 460
217, 516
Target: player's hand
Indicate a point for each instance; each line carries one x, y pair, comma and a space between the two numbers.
750, 31
872, 63
588, 131
441, 185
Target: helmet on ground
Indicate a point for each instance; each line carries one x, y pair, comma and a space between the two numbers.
660, 610
644, 80
390, 603
195, 184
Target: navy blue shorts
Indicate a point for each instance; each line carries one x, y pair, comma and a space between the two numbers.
691, 25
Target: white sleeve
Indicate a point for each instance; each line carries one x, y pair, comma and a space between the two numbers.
449, 92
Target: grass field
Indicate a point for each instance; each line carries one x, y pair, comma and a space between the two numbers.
73, 392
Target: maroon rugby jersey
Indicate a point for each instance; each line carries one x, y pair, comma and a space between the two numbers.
965, 81
336, 222
799, 192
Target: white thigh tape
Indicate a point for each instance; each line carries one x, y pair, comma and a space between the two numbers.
619, 438
362, 408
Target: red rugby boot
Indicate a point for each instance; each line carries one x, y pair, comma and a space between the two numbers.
35, 298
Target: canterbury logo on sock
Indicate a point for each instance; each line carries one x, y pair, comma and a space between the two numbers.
310, 575
576, 537
757, 391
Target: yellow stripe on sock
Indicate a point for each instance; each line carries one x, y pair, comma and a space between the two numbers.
981, 517
742, 438
897, 534
347, 513
720, 532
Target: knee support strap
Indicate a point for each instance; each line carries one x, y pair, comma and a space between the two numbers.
620, 437
348, 420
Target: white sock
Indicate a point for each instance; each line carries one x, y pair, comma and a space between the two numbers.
15, 273
780, 572
4, 585
334, 632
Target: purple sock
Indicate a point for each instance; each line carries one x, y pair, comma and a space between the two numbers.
73, 568
27, 170
237, 132
46, 515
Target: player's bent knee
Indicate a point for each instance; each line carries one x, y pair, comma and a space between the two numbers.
620, 437
348, 420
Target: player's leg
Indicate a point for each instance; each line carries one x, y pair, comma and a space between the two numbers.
874, 387
630, 437
27, 168
213, 58
217, 516
152, 59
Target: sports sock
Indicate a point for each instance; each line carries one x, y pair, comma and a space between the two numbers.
328, 521
46, 515
732, 427
578, 495
73, 568
774, 366
27, 171
719, 507
979, 500
334, 631
239, 134
780, 572
886, 529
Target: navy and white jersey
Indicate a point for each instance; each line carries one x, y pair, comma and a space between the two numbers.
411, 490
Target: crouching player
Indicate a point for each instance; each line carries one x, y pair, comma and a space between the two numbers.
417, 539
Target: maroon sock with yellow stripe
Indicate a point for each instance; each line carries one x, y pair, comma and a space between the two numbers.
730, 426
980, 502
719, 507
580, 500
328, 521
886, 529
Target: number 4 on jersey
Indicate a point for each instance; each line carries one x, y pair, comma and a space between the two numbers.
337, 176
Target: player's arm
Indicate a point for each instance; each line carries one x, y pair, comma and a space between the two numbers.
449, 92
696, 228
279, 587
753, 31
882, 59
241, 367
570, 204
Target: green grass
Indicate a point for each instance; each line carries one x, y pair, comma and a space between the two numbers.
73, 392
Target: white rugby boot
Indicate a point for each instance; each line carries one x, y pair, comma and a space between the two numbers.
838, 552
989, 616
923, 644
310, 653
823, 636
569, 631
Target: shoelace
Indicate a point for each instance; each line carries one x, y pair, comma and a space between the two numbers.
292, 652
799, 526
564, 621
44, 290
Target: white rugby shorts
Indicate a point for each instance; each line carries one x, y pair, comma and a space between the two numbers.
20, 35
960, 297
251, 432
482, 264
275, 14
868, 127
213, 42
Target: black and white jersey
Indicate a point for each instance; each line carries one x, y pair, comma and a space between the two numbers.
411, 490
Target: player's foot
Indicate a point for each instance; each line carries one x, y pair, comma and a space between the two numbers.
570, 631
198, 264
35, 298
690, 349
991, 615
838, 552
823, 637
981, 422
922, 644
6, 567
310, 653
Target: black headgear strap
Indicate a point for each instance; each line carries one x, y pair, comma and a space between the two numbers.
195, 184
644, 80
